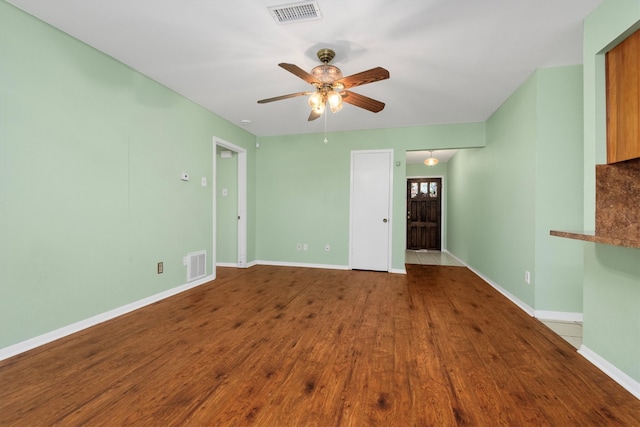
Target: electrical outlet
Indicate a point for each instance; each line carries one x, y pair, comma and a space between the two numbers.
305, 247
160, 268
327, 247
299, 246
527, 277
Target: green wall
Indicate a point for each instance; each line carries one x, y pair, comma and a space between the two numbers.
421, 170
612, 306
506, 197
611, 274
90, 193
303, 188
491, 209
558, 194
91, 200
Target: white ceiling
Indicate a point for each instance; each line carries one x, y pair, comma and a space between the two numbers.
451, 61
418, 157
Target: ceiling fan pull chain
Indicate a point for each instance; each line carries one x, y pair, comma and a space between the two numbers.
325, 128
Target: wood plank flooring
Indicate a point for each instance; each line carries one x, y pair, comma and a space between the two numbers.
280, 346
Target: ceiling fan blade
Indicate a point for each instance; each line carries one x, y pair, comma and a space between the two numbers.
369, 76
294, 69
314, 115
278, 98
362, 101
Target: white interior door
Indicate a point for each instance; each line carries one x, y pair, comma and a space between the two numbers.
371, 184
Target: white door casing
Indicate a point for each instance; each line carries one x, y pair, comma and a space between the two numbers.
242, 200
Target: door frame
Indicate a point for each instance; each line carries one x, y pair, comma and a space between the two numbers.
389, 207
443, 209
242, 200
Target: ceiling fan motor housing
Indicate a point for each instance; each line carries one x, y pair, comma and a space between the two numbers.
325, 73
326, 55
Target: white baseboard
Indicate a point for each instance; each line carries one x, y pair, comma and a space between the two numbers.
227, 264
558, 316
523, 306
299, 264
631, 385
327, 266
614, 373
56, 334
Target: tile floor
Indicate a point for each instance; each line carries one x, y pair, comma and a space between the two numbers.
570, 331
430, 258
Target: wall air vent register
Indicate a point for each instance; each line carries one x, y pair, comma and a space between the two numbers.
196, 263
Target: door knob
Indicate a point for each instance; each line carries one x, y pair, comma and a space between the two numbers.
384, 220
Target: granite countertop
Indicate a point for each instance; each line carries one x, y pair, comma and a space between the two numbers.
617, 207
590, 236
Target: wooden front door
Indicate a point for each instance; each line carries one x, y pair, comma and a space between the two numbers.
424, 210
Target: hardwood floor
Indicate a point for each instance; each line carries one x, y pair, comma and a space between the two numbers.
279, 346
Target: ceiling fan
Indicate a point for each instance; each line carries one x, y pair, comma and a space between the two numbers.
331, 87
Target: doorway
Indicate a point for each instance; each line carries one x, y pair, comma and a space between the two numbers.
424, 214
241, 200
370, 222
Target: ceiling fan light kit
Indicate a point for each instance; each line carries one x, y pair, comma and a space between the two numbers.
331, 87
335, 101
316, 102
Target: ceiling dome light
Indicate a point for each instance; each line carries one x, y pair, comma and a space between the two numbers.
431, 161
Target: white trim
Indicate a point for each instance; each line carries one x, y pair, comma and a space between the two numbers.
242, 199
306, 265
299, 264
227, 264
631, 385
598, 361
56, 334
525, 307
559, 316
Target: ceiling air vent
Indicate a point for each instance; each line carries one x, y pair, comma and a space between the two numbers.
295, 12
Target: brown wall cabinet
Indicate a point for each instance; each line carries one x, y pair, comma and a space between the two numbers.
623, 100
